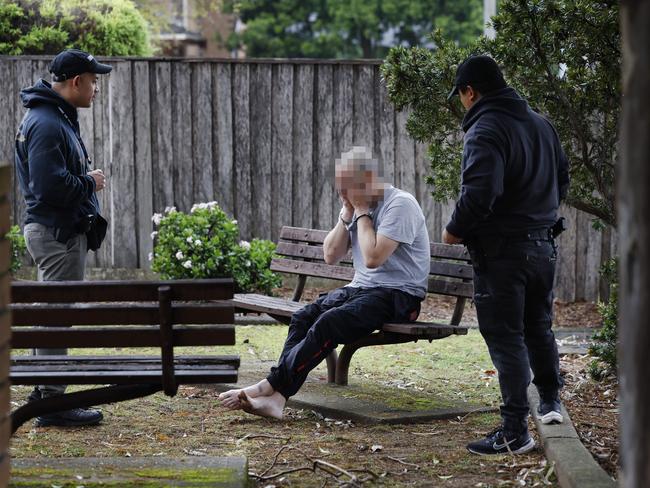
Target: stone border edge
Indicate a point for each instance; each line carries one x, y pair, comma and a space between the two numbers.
574, 465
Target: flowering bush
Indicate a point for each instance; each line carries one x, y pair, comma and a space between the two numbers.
205, 244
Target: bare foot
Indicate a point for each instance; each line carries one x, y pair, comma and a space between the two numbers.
230, 398
265, 406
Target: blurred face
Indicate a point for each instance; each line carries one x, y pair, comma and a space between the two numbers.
352, 183
468, 96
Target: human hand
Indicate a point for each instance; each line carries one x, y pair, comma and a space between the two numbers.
448, 238
347, 210
359, 201
100, 179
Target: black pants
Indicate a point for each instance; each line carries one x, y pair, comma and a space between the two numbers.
513, 294
338, 317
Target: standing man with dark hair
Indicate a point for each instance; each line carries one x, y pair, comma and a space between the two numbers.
53, 168
514, 174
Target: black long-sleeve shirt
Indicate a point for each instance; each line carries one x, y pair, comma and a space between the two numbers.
51, 163
514, 171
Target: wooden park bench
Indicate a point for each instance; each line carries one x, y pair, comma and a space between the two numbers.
119, 314
300, 253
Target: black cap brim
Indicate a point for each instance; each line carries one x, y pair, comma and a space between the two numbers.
102, 69
452, 93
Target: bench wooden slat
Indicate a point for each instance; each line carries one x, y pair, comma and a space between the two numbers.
91, 336
119, 313
451, 288
252, 302
306, 251
124, 361
315, 236
76, 377
426, 329
320, 270
118, 291
449, 251
451, 270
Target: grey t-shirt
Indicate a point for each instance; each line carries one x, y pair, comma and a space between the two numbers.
400, 218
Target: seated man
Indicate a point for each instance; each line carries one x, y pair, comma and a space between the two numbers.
386, 229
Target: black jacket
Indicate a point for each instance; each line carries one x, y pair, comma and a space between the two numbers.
51, 163
514, 171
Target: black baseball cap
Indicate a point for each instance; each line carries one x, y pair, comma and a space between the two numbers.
480, 72
72, 62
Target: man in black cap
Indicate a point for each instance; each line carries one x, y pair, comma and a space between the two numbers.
514, 174
60, 189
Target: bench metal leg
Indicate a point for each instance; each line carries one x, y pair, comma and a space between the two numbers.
376, 339
332, 361
79, 399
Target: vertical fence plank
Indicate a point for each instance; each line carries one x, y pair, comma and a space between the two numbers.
325, 196
405, 154
303, 119
102, 155
386, 124
592, 276
429, 207
201, 117
565, 276
364, 107
222, 138
582, 251
143, 170
183, 100
241, 97
22, 79
162, 154
281, 148
342, 116
8, 96
261, 105
123, 169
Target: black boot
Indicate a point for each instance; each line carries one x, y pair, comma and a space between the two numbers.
70, 418
67, 418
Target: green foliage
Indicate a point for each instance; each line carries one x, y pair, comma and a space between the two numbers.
348, 28
18, 247
101, 27
205, 244
562, 56
605, 340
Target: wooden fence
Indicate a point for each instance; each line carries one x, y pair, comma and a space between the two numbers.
259, 137
5, 324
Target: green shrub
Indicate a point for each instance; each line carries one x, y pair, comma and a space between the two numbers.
205, 244
18, 247
102, 27
603, 349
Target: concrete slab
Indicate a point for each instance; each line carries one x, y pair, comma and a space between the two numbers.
355, 402
575, 467
200, 471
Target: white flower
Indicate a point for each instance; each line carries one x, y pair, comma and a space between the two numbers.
189, 240
150, 256
245, 244
156, 218
234, 221
187, 264
154, 234
169, 210
248, 263
197, 242
179, 255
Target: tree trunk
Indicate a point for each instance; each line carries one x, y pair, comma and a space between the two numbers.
634, 248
